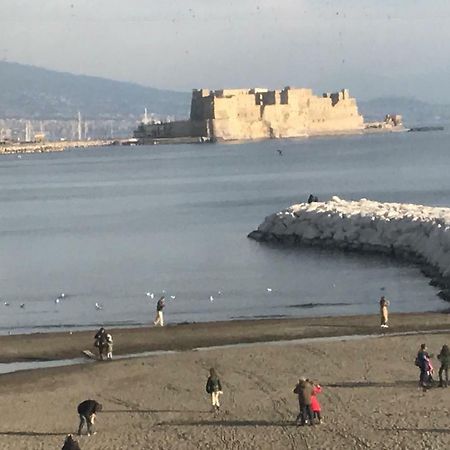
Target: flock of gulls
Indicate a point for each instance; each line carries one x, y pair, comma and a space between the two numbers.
150, 295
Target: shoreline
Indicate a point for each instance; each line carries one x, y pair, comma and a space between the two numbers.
184, 337
159, 401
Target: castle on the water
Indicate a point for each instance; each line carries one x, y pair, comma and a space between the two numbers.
230, 114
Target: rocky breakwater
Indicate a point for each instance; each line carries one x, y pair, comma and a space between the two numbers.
416, 233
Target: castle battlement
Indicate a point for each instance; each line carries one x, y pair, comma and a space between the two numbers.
259, 113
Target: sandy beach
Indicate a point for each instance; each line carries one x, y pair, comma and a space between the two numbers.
370, 397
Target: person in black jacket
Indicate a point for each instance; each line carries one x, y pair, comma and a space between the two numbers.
444, 358
100, 342
214, 388
70, 443
87, 411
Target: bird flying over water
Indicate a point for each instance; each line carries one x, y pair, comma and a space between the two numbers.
6, 303
211, 298
22, 305
269, 289
151, 295
173, 297
98, 306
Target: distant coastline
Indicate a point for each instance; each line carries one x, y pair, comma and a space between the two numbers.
45, 147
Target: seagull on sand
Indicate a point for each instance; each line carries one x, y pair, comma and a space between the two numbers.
211, 298
98, 306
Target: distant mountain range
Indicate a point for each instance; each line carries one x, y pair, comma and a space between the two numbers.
35, 93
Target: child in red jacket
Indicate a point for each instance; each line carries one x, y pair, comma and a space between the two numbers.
315, 405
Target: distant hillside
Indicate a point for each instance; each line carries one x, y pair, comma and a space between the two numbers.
414, 112
32, 92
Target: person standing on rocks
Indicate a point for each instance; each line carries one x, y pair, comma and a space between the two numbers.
384, 313
444, 358
159, 318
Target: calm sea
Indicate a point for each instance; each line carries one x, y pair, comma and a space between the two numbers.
108, 225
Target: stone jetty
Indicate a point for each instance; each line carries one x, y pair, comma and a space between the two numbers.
45, 147
416, 233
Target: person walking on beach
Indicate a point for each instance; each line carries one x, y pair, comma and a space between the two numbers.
70, 443
159, 318
444, 358
214, 388
315, 405
100, 342
87, 411
304, 390
384, 313
109, 346
423, 362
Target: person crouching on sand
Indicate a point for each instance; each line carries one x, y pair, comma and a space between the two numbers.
159, 318
384, 313
315, 405
214, 388
109, 346
444, 358
304, 390
87, 411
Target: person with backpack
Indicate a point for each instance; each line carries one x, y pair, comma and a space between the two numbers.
444, 358
214, 388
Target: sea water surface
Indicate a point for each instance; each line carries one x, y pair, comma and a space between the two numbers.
109, 225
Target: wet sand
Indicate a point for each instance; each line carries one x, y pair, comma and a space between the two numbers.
63, 345
370, 397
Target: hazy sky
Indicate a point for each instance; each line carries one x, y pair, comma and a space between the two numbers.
395, 47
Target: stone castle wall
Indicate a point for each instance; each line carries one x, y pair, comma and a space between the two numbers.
260, 113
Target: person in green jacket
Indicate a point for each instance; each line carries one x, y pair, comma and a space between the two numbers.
214, 388
444, 358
